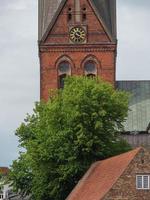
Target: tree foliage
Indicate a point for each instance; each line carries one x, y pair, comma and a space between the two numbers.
77, 126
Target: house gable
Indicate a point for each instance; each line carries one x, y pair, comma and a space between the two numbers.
125, 186
101, 177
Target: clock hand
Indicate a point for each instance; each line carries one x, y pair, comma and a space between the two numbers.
78, 34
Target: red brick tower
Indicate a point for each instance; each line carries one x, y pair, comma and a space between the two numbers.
76, 37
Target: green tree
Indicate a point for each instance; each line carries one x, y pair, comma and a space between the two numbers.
21, 175
76, 127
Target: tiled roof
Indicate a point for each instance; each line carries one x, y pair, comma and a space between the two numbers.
101, 176
106, 10
4, 170
139, 105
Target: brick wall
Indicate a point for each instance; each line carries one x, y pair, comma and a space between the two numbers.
57, 45
125, 187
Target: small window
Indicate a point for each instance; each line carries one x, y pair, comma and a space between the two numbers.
69, 14
84, 14
142, 182
83, 17
90, 69
64, 70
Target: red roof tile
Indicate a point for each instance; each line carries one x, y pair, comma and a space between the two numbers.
101, 176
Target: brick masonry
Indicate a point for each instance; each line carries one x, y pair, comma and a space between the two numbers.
56, 46
125, 187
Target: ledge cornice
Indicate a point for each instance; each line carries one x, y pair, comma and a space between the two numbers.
72, 48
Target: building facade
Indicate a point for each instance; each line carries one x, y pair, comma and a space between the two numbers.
76, 37
123, 177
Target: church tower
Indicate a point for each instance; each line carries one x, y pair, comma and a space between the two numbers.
76, 37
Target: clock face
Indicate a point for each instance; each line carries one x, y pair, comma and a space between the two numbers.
77, 35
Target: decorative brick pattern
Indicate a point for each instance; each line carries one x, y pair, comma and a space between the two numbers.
57, 45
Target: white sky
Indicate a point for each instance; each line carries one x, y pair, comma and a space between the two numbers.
19, 65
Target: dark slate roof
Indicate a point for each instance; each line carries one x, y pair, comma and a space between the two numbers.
139, 114
47, 10
105, 9
107, 12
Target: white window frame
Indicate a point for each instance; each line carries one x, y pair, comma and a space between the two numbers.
143, 188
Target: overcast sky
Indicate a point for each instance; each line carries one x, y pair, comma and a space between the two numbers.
19, 65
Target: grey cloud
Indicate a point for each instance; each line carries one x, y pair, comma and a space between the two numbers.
17, 4
135, 3
19, 70
133, 40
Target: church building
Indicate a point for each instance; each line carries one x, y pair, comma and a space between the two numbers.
76, 37
79, 37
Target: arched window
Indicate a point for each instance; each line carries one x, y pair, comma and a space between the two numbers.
90, 68
64, 70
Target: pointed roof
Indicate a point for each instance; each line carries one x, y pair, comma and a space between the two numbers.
46, 12
106, 9
101, 176
49, 10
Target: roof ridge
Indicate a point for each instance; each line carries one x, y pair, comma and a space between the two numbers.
85, 176
95, 180
136, 150
53, 19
